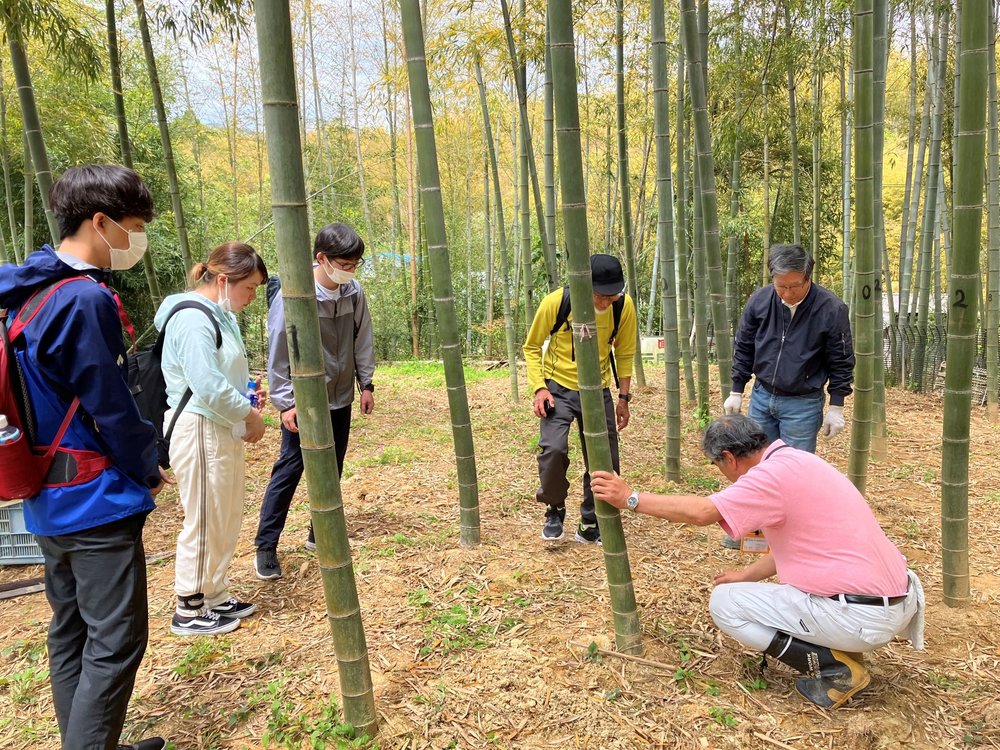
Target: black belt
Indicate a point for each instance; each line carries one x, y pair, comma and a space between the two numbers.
864, 599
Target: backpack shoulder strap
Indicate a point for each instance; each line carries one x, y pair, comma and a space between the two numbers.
158, 350
188, 304
564, 310
616, 311
35, 303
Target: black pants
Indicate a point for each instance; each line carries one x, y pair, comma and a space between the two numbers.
95, 581
553, 444
285, 476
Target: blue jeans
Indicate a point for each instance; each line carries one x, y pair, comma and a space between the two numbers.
794, 419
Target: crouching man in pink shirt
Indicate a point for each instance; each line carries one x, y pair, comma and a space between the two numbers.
844, 587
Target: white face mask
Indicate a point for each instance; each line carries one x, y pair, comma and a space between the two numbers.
122, 260
339, 275
224, 302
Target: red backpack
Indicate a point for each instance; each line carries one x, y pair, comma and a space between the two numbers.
25, 466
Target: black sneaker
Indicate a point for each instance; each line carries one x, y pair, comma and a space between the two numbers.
206, 622
266, 566
589, 533
311, 540
552, 531
234, 608
150, 743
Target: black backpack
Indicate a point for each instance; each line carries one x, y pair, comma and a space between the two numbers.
562, 319
145, 378
272, 288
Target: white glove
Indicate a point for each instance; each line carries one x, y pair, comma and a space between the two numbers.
734, 403
833, 422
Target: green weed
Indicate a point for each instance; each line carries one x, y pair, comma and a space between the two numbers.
708, 484
455, 628
391, 455
31, 651
903, 471
754, 685
431, 374
723, 717
593, 654
288, 726
418, 598
682, 676
945, 682
200, 655
23, 686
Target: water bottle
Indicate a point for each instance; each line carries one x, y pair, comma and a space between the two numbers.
8, 432
251, 393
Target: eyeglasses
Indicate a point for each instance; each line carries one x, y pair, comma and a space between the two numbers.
347, 265
790, 287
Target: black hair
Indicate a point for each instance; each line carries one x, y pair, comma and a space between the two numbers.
111, 189
736, 433
339, 241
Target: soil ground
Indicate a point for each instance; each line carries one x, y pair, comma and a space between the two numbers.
509, 644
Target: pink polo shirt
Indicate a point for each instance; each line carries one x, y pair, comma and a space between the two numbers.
824, 537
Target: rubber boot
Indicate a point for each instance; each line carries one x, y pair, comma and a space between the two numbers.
833, 677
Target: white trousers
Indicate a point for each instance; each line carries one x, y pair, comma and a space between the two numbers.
210, 468
753, 612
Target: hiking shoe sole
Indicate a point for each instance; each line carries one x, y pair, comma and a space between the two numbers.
266, 576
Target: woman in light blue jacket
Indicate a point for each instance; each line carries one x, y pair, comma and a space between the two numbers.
203, 353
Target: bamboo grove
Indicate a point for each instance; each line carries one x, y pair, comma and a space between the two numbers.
866, 132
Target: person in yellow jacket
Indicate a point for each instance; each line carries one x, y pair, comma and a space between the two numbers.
552, 377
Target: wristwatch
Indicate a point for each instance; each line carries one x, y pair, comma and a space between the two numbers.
626, 397
632, 503
368, 387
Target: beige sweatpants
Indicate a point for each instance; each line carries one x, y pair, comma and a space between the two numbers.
210, 468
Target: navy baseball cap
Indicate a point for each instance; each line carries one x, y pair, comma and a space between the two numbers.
607, 275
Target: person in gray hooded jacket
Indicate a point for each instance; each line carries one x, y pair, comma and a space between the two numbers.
349, 360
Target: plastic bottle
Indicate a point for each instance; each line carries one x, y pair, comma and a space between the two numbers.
8, 432
251, 393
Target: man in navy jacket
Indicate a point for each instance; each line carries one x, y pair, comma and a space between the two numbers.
794, 337
89, 526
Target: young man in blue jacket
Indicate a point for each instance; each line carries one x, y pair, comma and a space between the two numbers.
89, 522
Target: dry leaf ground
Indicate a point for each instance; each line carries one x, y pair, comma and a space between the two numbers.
491, 647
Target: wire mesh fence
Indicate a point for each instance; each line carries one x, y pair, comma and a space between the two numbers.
915, 357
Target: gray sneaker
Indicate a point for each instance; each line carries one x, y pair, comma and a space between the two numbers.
266, 565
